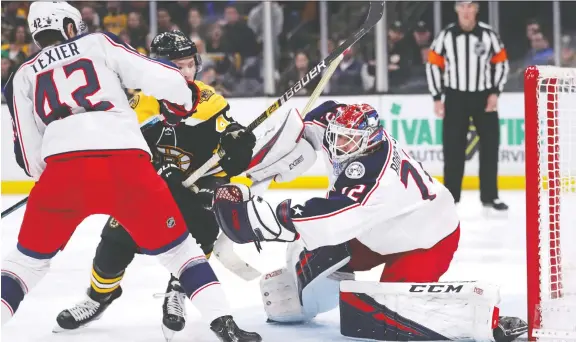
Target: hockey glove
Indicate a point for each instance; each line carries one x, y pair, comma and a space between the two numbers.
173, 113
172, 174
204, 188
238, 145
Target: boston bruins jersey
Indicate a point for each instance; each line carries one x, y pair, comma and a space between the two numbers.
190, 144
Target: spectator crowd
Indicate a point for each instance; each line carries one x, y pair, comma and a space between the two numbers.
229, 37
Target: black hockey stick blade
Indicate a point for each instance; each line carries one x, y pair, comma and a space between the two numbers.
375, 13
14, 207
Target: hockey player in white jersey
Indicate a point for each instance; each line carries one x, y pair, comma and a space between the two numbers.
76, 134
382, 208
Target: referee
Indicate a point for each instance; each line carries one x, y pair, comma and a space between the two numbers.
468, 65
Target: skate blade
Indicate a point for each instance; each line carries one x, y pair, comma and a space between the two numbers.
168, 333
58, 329
495, 214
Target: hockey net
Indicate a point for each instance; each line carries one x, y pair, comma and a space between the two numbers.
550, 125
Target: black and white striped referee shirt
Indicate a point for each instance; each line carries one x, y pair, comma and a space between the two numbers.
467, 61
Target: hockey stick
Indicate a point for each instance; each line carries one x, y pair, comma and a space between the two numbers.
224, 247
321, 85
14, 207
144, 127
374, 15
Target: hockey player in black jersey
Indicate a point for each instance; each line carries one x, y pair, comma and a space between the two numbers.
179, 150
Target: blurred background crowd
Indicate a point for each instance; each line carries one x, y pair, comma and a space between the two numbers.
229, 36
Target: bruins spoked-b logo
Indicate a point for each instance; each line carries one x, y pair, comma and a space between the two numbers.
205, 95
113, 223
134, 101
176, 156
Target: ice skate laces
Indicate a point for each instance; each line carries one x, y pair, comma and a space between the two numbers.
175, 302
84, 310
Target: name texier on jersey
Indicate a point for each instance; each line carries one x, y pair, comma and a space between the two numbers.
70, 98
384, 199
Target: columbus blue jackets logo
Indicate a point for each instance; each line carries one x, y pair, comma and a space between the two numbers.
355, 170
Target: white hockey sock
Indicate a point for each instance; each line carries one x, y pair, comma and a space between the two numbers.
20, 273
188, 263
211, 301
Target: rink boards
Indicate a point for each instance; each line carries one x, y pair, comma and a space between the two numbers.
409, 118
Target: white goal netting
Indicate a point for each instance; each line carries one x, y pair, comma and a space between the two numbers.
556, 112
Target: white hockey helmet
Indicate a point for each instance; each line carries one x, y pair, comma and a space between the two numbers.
50, 15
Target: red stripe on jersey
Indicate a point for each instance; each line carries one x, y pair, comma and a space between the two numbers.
388, 158
27, 63
20, 138
139, 55
312, 218
8, 306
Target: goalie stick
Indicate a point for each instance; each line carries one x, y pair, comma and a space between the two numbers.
374, 15
224, 247
145, 126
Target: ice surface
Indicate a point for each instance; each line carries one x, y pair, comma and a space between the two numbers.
490, 249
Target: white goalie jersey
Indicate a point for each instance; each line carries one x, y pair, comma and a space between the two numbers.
384, 199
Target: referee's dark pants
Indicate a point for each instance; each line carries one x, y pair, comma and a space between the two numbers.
459, 107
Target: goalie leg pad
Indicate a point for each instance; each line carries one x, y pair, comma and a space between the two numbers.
300, 293
280, 297
418, 311
314, 269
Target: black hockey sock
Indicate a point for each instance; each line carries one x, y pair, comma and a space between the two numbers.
102, 284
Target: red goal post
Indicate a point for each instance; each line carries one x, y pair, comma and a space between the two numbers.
550, 126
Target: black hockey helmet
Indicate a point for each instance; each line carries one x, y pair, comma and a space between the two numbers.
175, 45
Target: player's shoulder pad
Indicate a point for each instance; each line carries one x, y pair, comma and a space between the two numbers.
145, 106
210, 104
318, 114
366, 169
118, 43
111, 36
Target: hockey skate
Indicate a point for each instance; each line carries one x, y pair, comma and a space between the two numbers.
227, 331
85, 312
495, 209
509, 328
174, 309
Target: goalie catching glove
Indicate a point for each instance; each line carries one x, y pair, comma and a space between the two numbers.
245, 218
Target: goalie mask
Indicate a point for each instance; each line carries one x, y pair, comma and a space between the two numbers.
355, 131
